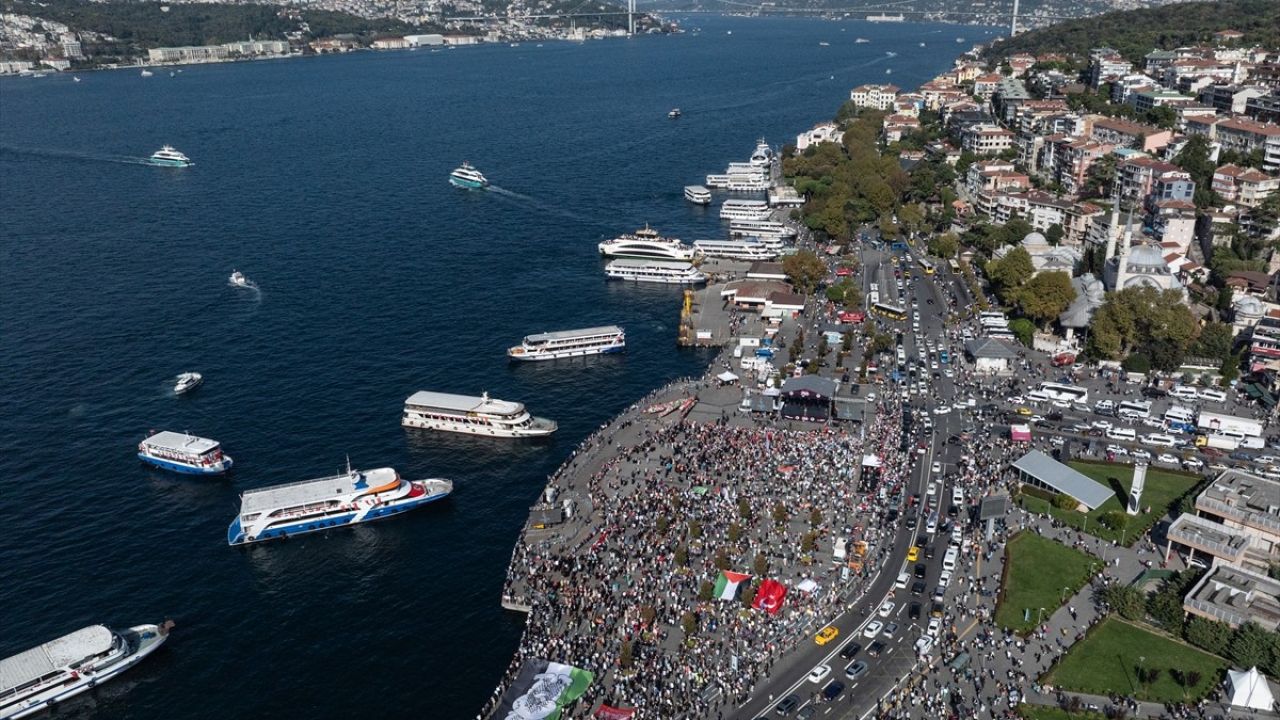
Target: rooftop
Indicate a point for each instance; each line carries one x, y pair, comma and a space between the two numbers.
1236, 596
181, 442
568, 334
54, 655
316, 490
463, 403
1244, 498
1204, 534
1064, 479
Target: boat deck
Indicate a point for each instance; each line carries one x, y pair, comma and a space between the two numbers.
313, 491
573, 334
43, 659
181, 443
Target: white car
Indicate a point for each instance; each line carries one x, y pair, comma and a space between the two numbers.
923, 645
942, 410
1192, 463
1037, 418
945, 578
957, 495
935, 627
1117, 450
903, 577
957, 537
818, 673
948, 373
931, 489
937, 468
1101, 424
886, 609
933, 365
1017, 400
1167, 458
1141, 455
872, 629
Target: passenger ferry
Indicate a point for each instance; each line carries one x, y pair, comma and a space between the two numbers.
647, 244
761, 228
49, 674
655, 271
351, 498
762, 156
744, 210
570, 343
697, 194
468, 178
473, 415
739, 181
184, 453
737, 249
168, 157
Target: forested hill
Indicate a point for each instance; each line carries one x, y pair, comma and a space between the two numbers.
1136, 32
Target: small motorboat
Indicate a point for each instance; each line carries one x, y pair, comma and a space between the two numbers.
675, 113
187, 382
147, 73
239, 280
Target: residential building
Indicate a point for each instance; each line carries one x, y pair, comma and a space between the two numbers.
71, 48
1107, 67
879, 97
1230, 99
895, 126
1245, 136
1264, 109
190, 53
984, 86
1245, 186
1123, 133
258, 47
986, 139
1146, 99
822, 132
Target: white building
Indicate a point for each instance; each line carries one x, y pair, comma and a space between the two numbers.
879, 97
190, 53
822, 132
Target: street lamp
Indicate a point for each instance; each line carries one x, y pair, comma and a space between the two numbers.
1040, 616
1065, 590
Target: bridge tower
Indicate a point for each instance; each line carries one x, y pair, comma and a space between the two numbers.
631, 17
1013, 25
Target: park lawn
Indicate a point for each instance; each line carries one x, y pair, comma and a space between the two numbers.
1162, 489
1038, 573
1106, 662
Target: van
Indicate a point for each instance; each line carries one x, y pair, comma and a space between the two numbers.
949, 560
1037, 396
1119, 433
1213, 395
1253, 443
1184, 392
1157, 440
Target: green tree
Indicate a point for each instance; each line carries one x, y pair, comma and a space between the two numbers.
735, 532
682, 555
1011, 271
1249, 646
625, 658
1209, 635
1194, 158
945, 246
1126, 600
1044, 297
780, 514
805, 270
1054, 234
1214, 342
688, 622
1024, 330
704, 591
761, 565
1137, 363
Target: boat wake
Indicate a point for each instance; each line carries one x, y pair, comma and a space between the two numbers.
509, 193
536, 205
73, 155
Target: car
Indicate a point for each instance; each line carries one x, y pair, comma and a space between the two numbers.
886, 609
936, 609
947, 373
1117, 450
913, 610
957, 494
826, 635
917, 587
944, 579
872, 629
931, 489
876, 648
935, 627
903, 579
1016, 400
936, 468
819, 672
856, 670
931, 525
850, 649
832, 690
913, 553
1101, 425
1192, 463
788, 705
939, 593
1037, 419
957, 537
1024, 411
923, 645
941, 409
1142, 454
911, 523
1167, 458
920, 570
807, 712
890, 630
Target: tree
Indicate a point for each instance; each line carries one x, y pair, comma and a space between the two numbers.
805, 270
1044, 297
625, 655
1214, 342
780, 514
735, 532
705, 590
1011, 271
1249, 645
1210, 635
815, 518
1024, 330
1165, 606
761, 565
682, 555
1137, 363
945, 246
1054, 234
1126, 600
1194, 158
688, 622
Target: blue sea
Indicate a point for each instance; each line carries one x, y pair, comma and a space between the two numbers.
324, 180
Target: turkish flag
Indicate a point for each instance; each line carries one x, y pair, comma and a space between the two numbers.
770, 596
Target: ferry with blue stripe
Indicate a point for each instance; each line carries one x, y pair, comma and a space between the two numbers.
350, 498
183, 453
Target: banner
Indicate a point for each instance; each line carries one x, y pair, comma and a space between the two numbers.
769, 597
612, 713
541, 689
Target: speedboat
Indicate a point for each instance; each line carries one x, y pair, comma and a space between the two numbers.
147, 73
468, 178
239, 280
860, 41
187, 382
168, 157
675, 113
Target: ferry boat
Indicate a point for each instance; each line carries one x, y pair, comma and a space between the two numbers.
737, 249
473, 415
740, 181
647, 244
761, 228
744, 210
37, 679
239, 280
350, 498
570, 343
184, 453
468, 177
762, 156
655, 271
675, 113
187, 382
147, 73
697, 194
168, 157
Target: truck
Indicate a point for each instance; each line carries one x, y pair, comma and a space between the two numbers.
840, 551
1221, 442
1216, 423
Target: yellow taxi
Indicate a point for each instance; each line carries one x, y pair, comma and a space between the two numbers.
826, 635
913, 554
1024, 411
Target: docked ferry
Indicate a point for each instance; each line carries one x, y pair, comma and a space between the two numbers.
351, 498
744, 210
647, 244
468, 177
184, 453
737, 249
761, 228
168, 157
49, 674
655, 271
473, 415
570, 343
762, 156
697, 194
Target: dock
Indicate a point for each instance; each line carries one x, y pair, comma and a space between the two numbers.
707, 317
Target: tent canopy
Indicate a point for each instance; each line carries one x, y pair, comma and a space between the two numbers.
726, 377
1250, 689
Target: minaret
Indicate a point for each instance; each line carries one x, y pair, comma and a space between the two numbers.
1113, 232
1013, 25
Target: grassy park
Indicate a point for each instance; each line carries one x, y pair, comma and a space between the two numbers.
1113, 656
1039, 573
1163, 488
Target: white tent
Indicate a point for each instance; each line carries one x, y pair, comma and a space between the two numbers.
1250, 689
807, 585
726, 377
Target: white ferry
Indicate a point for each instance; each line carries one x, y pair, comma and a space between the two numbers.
168, 157
762, 228
184, 453
351, 498
647, 244
736, 249
570, 343
467, 177
744, 210
739, 181
655, 271
473, 415
697, 194
37, 679
762, 156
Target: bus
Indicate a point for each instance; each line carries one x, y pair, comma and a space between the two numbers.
1069, 393
1180, 419
1130, 409
892, 312
926, 266
955, 266
991, 315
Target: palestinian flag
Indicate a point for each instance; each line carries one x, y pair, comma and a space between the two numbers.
728, 583
542, 689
